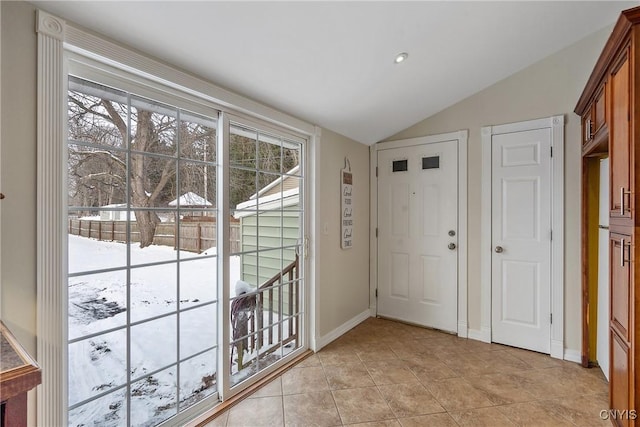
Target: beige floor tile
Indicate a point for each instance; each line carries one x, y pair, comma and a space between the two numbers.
376, 352
274, 388
219, 421
542, 385
430, 371
534, 359
456, 394
408, 372
385, 423
304, 380
433, 420
408, 400
311, 409
533, 414
501, 361
348, 375
309, 361
482, 417
358, 405
394, 371
501, 389
464, 364
263, 411
338, 356
583, 410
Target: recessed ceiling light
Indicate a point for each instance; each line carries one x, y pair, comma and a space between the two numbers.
401, 57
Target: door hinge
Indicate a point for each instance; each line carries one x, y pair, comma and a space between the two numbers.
376, 171
551, 151
551, 235
376, 232
551, 318
376, 292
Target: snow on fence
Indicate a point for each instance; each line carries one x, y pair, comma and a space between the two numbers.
194, 236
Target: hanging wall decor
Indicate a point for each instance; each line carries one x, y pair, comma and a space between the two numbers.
346, 206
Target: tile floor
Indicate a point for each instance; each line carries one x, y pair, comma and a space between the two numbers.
384, 373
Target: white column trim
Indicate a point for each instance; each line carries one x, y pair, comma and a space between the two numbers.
314, 185
557, 243
556, 125
485, 237
373, 221
462, 138
463, 322
52, 400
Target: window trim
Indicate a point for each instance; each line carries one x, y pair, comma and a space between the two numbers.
59, 43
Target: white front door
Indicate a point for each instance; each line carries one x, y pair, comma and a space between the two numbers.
417, 234
521, 239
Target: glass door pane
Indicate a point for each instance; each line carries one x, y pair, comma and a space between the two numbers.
265, 198
143, 295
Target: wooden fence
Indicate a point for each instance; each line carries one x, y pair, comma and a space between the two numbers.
194, 236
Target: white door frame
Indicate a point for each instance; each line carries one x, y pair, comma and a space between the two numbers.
461, 137
556, 124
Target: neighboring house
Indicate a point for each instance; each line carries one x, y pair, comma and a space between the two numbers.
194, 203
108, 214
273, 214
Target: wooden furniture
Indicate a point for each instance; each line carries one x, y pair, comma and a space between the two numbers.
610, 111
19, 373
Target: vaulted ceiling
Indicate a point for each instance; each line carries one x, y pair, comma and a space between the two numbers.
332, 63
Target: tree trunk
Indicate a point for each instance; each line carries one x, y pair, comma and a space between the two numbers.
147, 222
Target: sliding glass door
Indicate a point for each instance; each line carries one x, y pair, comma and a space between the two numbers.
265, 192
151, 186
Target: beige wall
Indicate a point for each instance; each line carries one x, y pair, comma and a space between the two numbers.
343, 278
18, 169
549, 87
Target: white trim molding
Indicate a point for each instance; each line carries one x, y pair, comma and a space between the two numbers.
51, 230
556, 125
461, 137
483, 335
341, 330
574, 356
313, 299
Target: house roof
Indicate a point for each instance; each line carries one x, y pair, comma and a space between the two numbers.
190, 199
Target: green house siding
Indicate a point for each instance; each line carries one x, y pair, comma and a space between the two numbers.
264, 241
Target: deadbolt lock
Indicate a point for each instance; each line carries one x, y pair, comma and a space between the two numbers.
452, 233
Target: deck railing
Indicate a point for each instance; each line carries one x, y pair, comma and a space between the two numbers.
248, 315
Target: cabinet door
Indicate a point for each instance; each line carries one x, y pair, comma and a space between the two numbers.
620, 392
620, 271
587, 127
620, 153
599, 110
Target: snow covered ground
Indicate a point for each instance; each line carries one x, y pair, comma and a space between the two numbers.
98, 302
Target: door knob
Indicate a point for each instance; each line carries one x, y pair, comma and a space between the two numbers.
499, 249
452, 246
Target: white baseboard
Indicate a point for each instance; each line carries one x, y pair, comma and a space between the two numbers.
483, 334
557, 349
572, 355
463, 330
342, 329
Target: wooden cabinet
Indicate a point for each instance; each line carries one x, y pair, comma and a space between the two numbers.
594, 124
19, 373
610, 111
620, 153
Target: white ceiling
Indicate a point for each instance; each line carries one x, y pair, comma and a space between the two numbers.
331, 63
